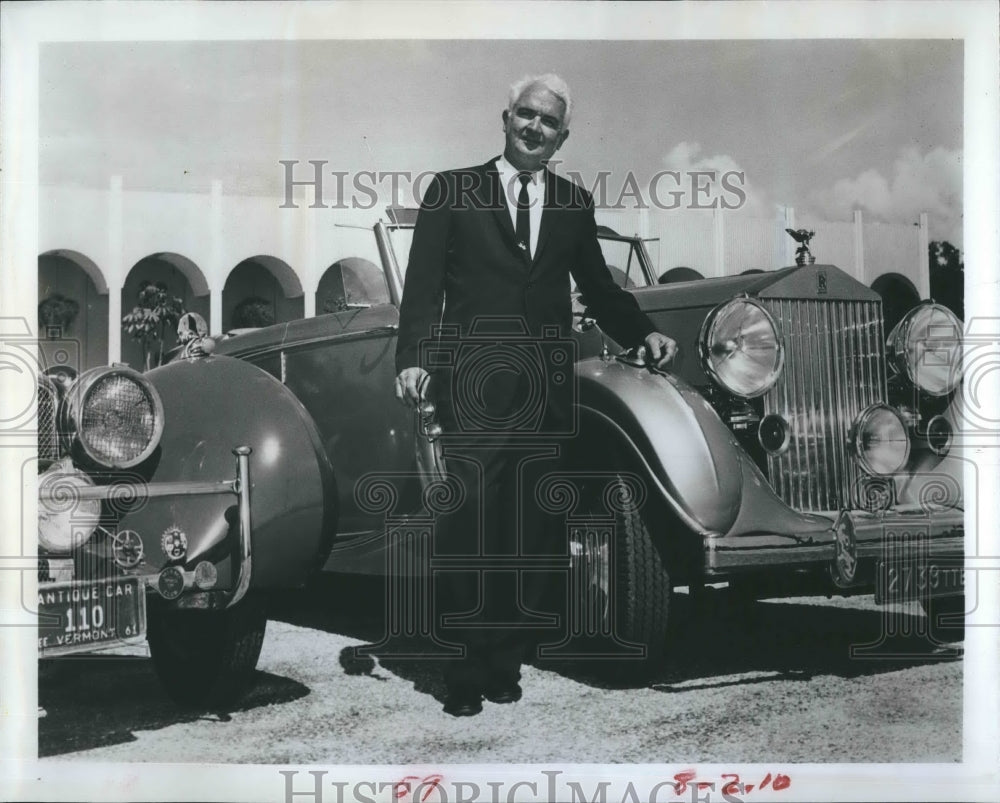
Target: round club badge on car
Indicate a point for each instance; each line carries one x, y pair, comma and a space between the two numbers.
174, 543
127, 548
170, 583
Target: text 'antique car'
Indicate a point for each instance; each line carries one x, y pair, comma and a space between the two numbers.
792, 447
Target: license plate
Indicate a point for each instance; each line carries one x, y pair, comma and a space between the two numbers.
78, 616
914, 580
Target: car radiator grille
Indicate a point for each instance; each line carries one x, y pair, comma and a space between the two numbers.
834, 368
48, 442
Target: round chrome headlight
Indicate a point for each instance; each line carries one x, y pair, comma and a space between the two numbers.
740, 347
881, 442
926, 347
116, 416
65, 521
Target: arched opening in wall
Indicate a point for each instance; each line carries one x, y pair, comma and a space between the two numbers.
72, 311
899, 296
351, 281
180, 278
260, 291
679, 274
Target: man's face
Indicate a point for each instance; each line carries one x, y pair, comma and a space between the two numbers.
534, 128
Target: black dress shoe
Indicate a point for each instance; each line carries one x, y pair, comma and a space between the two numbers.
503, 692
463, 703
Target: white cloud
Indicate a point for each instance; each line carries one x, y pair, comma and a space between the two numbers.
686, 157
929, 183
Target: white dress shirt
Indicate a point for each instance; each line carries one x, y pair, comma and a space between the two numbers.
536, 196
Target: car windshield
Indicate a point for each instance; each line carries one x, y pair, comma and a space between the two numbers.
621, 254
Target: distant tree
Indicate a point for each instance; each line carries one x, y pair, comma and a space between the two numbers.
253, 311
947, 276
149, 321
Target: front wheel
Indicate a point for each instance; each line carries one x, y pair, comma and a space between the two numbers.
627, 599
206, 659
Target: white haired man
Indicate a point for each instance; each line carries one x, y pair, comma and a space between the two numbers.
493, 251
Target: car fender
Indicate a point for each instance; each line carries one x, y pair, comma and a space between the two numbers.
212, 405
692, 459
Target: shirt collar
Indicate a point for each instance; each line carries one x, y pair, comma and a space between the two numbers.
506, 169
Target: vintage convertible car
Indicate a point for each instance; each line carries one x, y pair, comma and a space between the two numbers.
792, 447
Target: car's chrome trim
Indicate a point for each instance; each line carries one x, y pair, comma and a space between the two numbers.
391, 265
242, 582
240, 486
834, 359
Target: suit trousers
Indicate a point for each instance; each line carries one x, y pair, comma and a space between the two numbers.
495, 597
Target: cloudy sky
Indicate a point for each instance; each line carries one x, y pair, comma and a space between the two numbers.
824, 126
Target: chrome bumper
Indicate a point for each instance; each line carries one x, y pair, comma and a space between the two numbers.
239, 486
942, 532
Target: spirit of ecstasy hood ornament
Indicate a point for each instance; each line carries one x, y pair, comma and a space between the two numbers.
802, 237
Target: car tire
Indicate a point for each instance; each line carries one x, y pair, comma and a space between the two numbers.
206, 659
642, 603
643, 591
945, 620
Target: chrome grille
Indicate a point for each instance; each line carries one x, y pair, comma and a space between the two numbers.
834, 368
48, 400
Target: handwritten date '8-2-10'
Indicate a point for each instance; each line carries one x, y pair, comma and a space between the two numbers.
417, 789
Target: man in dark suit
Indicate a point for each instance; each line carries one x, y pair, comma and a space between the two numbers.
492, 254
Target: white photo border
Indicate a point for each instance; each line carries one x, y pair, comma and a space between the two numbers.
25, 26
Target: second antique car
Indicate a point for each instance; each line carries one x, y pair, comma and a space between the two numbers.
168, 508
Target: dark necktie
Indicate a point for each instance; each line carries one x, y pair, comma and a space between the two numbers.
523, 228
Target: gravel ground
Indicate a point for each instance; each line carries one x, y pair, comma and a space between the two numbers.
772, 681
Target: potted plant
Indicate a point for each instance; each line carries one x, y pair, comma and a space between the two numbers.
149, 321
253, 312
56, 313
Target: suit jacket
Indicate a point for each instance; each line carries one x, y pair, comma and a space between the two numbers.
465, 263
467, 273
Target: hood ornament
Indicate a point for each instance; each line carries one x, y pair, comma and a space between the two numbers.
802, 237
192, 336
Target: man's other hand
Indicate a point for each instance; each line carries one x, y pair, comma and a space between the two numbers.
660, 348
411, 384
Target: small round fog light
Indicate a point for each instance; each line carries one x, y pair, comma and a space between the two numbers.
939, 435
205, 575
170, 582
774, 434
880, 439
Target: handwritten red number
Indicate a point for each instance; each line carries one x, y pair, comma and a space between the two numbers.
766, 781
682, 779
733, 787
781, 782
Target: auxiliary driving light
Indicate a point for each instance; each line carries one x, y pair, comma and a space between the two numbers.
926, 347
65, 522
774, 434
205, 575
880, 440
740, 347
939, 435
